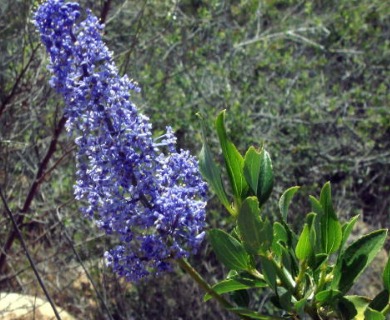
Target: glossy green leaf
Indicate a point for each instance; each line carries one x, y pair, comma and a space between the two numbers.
252, 168
304, 249
255, 233
266, 179
212, 173
258, 173
314, 225
347, 229
233, 160
331, 231
316, 205
331, 234
285, 200
229, 250
386, 275
234, 284
356, 258
371, 314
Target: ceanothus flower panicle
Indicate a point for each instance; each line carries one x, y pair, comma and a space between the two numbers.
137, 187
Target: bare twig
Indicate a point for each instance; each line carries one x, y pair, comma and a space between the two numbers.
19, 235
17, 81
55, 165
70, 241
104, 11
33, 190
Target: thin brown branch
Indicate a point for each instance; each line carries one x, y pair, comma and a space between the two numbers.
105, 10
33, 190
8, 98
55, 165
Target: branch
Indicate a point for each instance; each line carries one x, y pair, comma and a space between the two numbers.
32, 263
17, 81
104, 11
33, 190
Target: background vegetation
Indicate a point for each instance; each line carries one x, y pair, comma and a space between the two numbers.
310, 79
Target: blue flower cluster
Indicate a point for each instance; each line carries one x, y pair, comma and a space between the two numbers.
138, 188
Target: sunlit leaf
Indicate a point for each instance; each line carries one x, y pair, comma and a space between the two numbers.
347, 229
304, 249
386, 275
331, 232
212, 173
234, 284
285, 201
233, 160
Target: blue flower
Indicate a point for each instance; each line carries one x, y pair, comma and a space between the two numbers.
139, 189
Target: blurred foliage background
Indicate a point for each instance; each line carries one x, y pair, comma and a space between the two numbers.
307, 79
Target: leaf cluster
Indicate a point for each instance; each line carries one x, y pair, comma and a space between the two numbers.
309, 272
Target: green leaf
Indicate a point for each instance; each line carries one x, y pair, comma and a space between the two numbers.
252, 168
347, 229
258, 173
234, 284
327, 296
331, 232
356, 258
233, 160
360, 304
284, 297
347, 309
280, 233
287, 261
229, 250
280, 238
269, 272
285, 201
212, 173
381, 301
386, 275
300, 305
319, 259
256, 234
314, 230
371, 314
303, 250
316, 205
